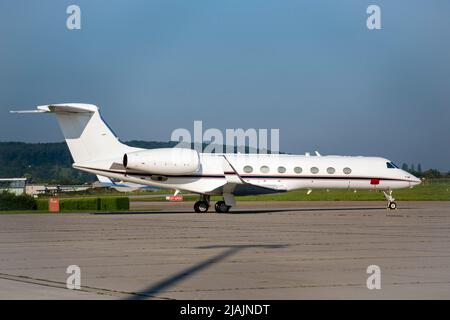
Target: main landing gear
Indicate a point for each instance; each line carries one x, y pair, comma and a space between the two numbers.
391, 201
203, 205
221, 207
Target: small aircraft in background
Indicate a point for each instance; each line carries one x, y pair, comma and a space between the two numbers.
96, 149
121, 186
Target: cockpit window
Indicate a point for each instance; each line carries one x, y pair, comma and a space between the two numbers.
391, 165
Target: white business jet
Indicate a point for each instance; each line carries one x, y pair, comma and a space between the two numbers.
96, 149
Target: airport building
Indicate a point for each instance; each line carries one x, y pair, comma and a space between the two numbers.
13, 185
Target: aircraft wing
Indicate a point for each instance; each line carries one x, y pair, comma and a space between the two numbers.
230, 172
269, 185
238, 186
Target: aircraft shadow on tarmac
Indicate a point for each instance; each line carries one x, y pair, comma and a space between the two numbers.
164, 284
255, 211
248, 211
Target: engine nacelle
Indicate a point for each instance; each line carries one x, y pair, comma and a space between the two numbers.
167, 161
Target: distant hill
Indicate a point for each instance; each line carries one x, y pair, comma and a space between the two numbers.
51, 162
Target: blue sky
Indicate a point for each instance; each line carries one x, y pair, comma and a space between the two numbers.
308, 67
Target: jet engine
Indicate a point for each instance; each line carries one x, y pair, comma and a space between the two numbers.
166, 161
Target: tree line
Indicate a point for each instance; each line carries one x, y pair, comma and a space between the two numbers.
50, 163
429, 173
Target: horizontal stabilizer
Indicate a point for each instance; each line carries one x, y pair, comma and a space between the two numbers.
62, 108
29, 111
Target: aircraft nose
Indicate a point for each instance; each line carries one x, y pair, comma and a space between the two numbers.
415, 181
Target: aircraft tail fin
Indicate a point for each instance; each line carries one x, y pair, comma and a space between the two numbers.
87, 135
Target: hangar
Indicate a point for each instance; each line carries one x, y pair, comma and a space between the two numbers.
13, 185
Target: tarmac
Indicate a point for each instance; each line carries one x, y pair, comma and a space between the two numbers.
260, 250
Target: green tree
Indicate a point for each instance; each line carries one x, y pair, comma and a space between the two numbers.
432, 174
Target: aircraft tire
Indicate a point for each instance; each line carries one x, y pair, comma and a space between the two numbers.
221, 207
392, 205
201, 206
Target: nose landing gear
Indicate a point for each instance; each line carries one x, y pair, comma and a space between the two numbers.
392, 205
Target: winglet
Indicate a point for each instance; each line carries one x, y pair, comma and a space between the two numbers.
230, 172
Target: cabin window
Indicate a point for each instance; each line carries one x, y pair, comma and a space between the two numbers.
391, 165
281, 169
314, 170
264, 169
248, 169
347, 170
331, 170
298, 170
